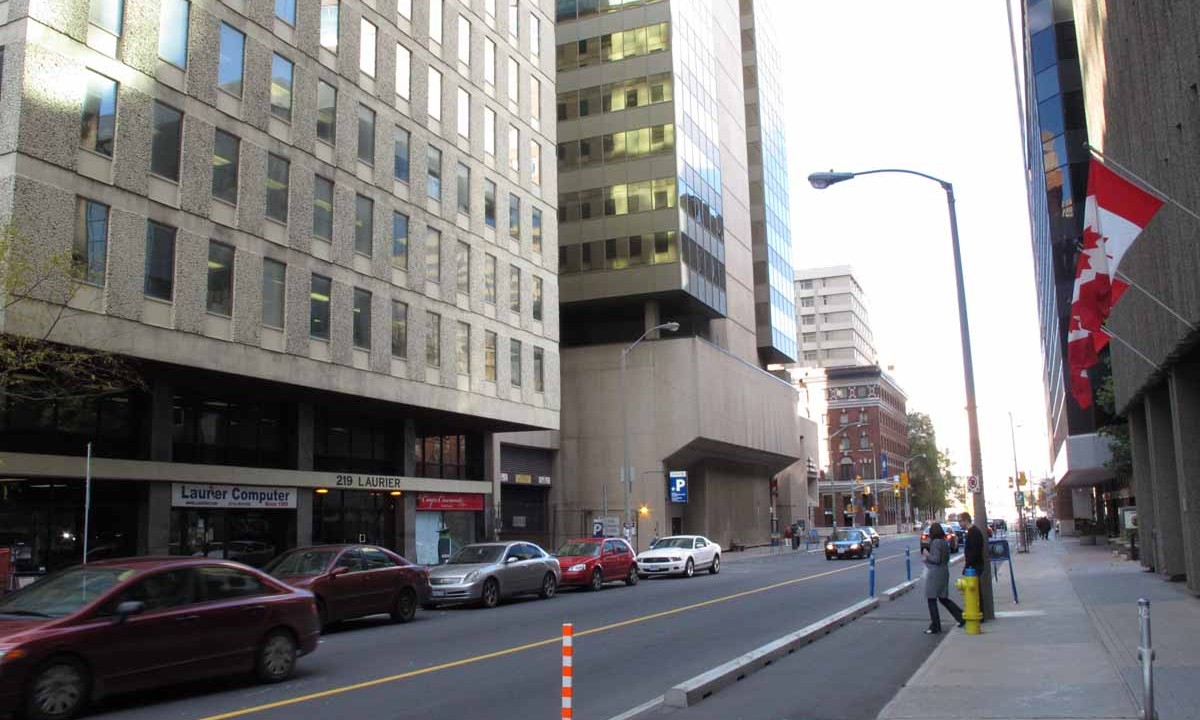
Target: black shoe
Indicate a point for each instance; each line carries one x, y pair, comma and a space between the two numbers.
962, 623
931, 631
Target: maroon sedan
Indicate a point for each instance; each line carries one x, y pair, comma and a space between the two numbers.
591, 562
355, 580
121, 625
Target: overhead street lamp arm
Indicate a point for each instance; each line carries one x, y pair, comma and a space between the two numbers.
822, 180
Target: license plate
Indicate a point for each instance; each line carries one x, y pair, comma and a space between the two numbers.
439, 593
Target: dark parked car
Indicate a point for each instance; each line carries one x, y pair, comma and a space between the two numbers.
951, 538
354, 581
117, 626
591, 562
870, 532
848, 543
960, 534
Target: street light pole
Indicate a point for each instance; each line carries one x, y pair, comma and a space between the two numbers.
626, 469
821, 181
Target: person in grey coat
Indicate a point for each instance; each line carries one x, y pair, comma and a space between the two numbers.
937, 580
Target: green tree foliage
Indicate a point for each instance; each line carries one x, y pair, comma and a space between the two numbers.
932, 482
1117, 430
32, 367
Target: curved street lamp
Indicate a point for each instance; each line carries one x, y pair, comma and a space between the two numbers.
627, 467
821, 181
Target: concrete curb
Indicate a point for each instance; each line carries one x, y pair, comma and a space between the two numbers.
696, 689
895, 592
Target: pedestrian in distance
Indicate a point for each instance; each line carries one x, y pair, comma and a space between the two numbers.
937, 580
973, 553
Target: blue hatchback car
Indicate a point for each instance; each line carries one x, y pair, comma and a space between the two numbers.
848, 543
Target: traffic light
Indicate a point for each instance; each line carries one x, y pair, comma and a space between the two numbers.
904, 479
896, 491
858, 479
1021, 479
1010, 483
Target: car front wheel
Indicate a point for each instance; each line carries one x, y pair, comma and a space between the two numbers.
689, 569
716, 565
597, 580
59, 691
276, 657
490, 597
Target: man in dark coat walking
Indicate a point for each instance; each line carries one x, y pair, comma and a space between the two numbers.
974, 554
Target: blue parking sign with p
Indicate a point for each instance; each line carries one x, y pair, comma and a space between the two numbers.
678, 486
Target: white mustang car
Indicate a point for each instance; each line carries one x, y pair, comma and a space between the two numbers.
680, 555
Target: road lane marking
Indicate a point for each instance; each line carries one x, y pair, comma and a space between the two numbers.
521, 648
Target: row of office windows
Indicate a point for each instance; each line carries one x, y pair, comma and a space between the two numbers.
613, 47
616, 147
567, 10
617, 200
619, 253
90, 253
614, 97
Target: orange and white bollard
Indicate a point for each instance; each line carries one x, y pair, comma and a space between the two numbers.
568, 669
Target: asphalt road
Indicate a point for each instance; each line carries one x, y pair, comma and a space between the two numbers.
631, 644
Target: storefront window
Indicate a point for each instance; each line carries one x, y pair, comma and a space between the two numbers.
224, 431
345, 443
355, 516
42, 521
445, 456
65, 427
252, 537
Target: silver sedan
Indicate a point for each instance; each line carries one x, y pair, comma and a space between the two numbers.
488, 572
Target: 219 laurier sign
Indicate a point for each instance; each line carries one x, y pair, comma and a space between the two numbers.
369, 482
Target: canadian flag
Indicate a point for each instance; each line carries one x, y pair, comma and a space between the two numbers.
1113, 217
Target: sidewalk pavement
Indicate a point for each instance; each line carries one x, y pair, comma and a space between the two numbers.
1068, 650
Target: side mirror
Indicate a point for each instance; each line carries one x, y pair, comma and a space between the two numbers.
511, 559
339, 570
127, 608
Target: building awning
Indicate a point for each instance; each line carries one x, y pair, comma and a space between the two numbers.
1081, 461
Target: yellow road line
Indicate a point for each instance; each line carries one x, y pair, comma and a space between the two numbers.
521, 648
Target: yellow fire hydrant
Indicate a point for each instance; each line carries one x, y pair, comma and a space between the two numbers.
969, 585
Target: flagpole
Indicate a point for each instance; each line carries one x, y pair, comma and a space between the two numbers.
87, 501
1134, 350
1148, 186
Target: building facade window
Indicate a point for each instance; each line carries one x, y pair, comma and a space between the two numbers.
489, 131
323, 208
281, 87
535, 101
278, 170
326, 112
462, 261
433, 173
489, 279
514, 21
164, 148
539, 370
514, 357
274, 284
535, 231
226, 151
463, 188
464, 113
366, 47
514, 288
433, 339
462, 349
514, 81
329, 25
364, 225
433, 100
400, 139
535, 36
464, 40
535, 163
489, 61
362, 319
399, 329
514, 149
489, 356
285, 10
318, 307
220, 279
403, 71
399, 241
99, 121
89, 255
537, 298
173, 31
160, 261
489, 203
433, 254
107, 15
366, 135
230, 58
435, 21
514, 217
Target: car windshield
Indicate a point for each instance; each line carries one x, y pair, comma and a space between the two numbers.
477, 554
301, 563
577, 549
674, 542
846, 535
63, 593
955, 525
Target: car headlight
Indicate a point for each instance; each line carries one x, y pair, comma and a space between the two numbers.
580, 567
829, 546
676, 559
856, 546
470, 577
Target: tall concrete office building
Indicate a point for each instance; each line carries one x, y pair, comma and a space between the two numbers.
831, 312
670, 195
286, 216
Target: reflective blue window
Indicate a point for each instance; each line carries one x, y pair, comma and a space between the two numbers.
107, 14
285, 10
229, 66
173, 31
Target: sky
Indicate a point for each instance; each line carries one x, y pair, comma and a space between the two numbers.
925, 86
